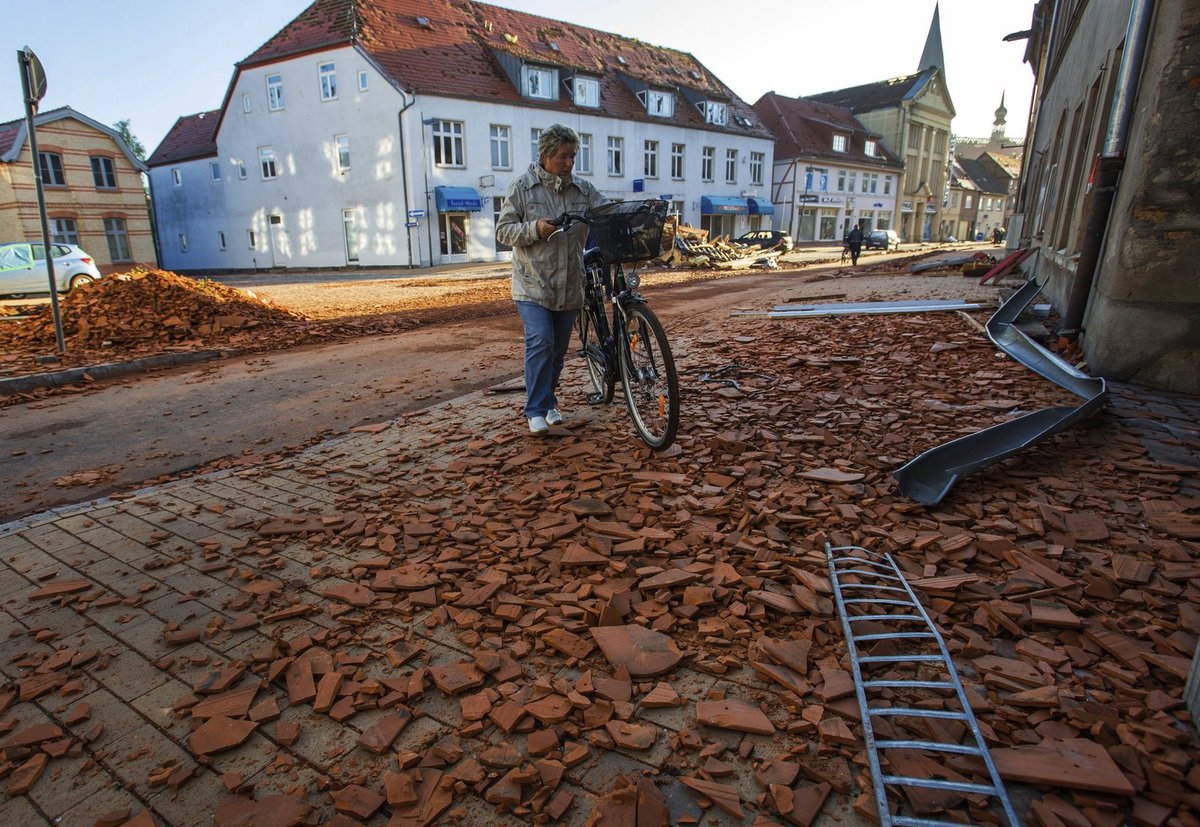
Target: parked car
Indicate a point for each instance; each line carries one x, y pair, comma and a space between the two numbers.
882, 240
23, 268
767, 239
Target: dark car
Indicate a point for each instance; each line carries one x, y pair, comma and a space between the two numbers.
766, 239
882, 240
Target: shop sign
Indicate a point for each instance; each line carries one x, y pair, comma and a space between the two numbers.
906, 206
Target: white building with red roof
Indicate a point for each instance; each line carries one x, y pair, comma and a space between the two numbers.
385, 133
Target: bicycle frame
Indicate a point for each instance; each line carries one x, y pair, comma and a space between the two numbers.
605, 283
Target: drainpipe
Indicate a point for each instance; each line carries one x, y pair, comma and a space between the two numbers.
1108, 165
404, 176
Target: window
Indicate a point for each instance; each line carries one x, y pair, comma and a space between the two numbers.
247, 103
535, 135
328, 76
342, 143
250, 238
220, 239
677, 209
707, 161
587, 92
501, 147
660, 104
731, 166
64, 231
266, 162
214, 171
350, 234
362, 81
756, 168
118, 239
968, 200
183, 242
177, 177
537, 82
887, 185
448, 144
852, 182
274, 92
841, 182
583, 161
104, 172
839, 143
616, 147
497, 204
869, 149
50, 166
650, 160
677, 161
716, 113
870, 182
241, 168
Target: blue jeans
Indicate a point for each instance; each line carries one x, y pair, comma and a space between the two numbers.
547, 338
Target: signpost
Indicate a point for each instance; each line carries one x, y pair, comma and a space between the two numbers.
33, 89
416, 214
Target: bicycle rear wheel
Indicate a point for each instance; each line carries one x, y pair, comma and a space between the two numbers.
594, 359
648, 378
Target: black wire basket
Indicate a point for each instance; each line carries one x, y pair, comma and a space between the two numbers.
627, 231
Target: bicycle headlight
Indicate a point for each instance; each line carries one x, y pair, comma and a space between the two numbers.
632, 280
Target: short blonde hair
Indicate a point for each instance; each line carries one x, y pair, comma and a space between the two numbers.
555, 136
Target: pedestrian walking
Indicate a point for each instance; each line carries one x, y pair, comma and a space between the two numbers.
547, 266
854, 242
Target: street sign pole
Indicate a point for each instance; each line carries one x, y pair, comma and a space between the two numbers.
33, 88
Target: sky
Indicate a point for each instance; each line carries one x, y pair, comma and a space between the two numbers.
151, 61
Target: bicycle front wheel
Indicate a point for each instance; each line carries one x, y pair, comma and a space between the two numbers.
594, 359
648, 377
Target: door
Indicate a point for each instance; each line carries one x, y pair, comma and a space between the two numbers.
280, 250
350, 232
453, 236
17, 271
808, 225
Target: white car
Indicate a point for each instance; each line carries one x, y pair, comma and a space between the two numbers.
23, 268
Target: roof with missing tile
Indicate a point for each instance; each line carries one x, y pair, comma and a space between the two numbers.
804, 128
878, 95
192, 136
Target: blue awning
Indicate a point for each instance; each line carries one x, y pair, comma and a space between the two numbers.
457, 199
760, 206
710, 204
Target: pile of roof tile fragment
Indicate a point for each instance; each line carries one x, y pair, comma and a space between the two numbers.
576, 630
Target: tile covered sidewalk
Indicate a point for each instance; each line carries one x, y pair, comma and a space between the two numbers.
395, 626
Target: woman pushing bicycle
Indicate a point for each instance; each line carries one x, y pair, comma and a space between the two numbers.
547, 265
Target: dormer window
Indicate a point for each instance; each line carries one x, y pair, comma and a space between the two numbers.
537, 82
586, 92
716, 113
869, 149
660, 104
839, 143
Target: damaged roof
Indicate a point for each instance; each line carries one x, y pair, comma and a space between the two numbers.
983, 176
192, 136
881, 94
804, 128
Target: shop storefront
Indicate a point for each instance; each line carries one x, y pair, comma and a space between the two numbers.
719, 214
761, 211
454, 208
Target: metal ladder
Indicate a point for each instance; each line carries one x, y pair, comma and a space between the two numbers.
869, 588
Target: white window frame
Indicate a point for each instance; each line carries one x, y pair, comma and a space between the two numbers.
448, 146
583, 160
731, 161
839, 143
650, 159
677, 161
363, 80
616, 153
247, 103
275, 92
177, 176
327, 78
887, 185
537, 82
214, 171
716, 113
660, 104
708, 164
535, 135
841, 180
501, 145
757, 160
586, 92
341, 148
251, 240
869, 148
267, 167
241, 168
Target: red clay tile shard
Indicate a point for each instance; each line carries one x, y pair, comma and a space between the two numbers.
735, 714
58, 589
399, 790
22, 779
235, 703
662, 695
379, 737
272, 811
357, 801
32, 735
218, 734
568, 643
644, 652
1076, 763
632, 736
831, 475
286, 732
552, 709
455, 678
722, 795
411, 578
577, 555
352, 593
668, 579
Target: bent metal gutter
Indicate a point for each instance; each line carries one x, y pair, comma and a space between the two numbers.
929, 477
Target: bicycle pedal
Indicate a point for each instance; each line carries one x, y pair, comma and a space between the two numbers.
595, 399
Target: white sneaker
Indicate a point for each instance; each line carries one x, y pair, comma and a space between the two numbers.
538, 426
554, 417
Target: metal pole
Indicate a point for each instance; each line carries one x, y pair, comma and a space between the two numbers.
24, 59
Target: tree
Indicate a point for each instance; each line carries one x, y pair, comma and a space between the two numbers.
131, 141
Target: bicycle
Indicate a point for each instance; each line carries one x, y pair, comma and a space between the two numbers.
632, 344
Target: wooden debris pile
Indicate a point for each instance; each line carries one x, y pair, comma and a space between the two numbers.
148, 307
575, 628
692, 248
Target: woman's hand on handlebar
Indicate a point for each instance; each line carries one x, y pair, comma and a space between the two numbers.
546, 228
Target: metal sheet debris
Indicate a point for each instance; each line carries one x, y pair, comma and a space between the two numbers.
792, 311
928, 477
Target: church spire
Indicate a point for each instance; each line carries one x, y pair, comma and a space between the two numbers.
999, 124
932, 54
